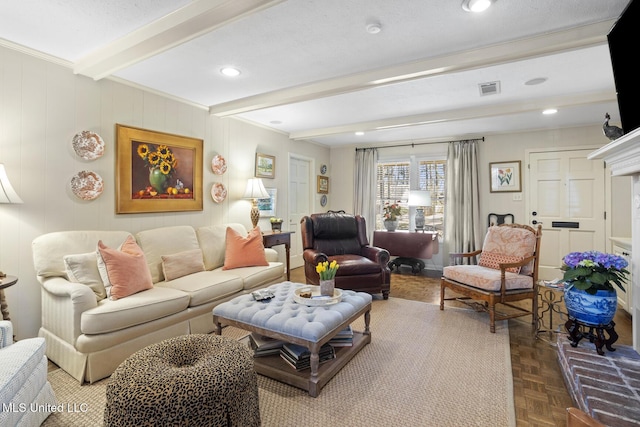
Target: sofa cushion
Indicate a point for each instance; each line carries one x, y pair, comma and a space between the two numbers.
253, 277
212, 241
126, 268
181, 264
486, 278
165, 241
142, 307
494, 259
83, 268
244, 251
517, 242
206, 286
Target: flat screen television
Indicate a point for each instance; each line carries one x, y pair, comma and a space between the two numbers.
623, 48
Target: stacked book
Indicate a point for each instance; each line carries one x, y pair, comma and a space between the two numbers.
299, 357
264, 346
344, 338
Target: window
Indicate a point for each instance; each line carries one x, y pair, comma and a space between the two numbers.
393, 187
395, 179
431, 174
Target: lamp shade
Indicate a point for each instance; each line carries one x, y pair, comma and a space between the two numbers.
7, 193
255, 189
419, 198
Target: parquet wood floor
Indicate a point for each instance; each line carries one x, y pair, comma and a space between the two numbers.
540, 395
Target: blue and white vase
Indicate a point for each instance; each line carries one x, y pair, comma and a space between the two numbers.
597, 309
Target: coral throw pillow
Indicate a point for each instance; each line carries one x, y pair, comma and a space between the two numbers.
493, 260
127, 269
244, 251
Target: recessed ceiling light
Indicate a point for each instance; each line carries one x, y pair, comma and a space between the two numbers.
374, 28
476, 5
359, 133
276, 122
550, 111
536, 81
230, 71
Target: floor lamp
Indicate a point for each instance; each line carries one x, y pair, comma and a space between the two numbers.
7, 195
255, 190
420, 199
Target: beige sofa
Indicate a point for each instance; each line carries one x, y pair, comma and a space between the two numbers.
89, 337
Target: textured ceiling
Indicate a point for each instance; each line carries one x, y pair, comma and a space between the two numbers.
310, 68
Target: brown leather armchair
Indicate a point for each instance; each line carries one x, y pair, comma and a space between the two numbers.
343, 238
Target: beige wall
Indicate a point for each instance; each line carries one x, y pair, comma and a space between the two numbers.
43, 105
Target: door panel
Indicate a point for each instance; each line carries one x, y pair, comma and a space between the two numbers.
566, 188
299, 204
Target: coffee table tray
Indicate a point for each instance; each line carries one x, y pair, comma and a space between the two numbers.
316, 299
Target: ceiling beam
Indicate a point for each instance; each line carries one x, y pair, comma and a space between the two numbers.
574, 38
186, 23
483, 111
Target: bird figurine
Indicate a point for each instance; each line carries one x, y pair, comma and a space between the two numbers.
611, 132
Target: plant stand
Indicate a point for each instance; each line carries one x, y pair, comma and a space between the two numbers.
577, 331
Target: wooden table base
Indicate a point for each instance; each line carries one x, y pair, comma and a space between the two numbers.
577, 331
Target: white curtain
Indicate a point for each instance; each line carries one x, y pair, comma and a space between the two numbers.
364, 188
462, 196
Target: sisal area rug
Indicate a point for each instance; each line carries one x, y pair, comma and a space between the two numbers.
424, 367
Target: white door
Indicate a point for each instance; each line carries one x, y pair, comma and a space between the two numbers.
299, 203
567, 197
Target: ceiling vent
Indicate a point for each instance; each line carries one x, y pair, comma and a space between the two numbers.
490, 88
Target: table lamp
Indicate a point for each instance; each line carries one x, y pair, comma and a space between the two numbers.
420, 199
255, 190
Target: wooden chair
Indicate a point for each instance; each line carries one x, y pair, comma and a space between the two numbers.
497, 219
504, 271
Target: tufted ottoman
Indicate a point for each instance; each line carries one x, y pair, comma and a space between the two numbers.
282, 318
199, 380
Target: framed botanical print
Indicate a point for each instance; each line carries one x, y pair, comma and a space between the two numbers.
505, 177
323, 184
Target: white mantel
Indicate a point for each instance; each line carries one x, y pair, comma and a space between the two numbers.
623, 157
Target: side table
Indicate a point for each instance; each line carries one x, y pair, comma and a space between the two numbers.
551, 312
274, 238
5, 282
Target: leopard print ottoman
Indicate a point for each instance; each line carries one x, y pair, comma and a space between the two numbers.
196, 380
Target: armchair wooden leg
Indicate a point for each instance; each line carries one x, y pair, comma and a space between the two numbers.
441, 295
492, 318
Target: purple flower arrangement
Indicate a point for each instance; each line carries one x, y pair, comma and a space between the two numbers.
592, 270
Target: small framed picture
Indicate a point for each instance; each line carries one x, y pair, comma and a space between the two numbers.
265, 166
323, 184
267, 206
505, 177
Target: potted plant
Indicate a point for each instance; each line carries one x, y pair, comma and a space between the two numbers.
390, 216
589, 277
276, 224
327, 273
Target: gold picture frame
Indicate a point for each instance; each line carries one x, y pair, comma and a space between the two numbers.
506, 177
323, 184
265, 166
157, 171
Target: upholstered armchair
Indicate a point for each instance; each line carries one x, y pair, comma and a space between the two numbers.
26, 397
343, 238
504, 271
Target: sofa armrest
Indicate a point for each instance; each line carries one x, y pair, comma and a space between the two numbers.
6, 333
378, 255
271, 254
63, 303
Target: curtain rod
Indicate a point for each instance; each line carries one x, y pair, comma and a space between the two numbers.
419, 143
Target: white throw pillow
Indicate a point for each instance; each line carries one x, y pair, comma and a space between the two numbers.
83, 268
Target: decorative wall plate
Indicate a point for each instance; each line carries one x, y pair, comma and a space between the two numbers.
87, 185
218, 192
88, 145
323, 169
323, 200
218, 164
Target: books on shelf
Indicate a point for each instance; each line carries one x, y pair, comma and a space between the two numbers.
344, 338
299, 357
264, 346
